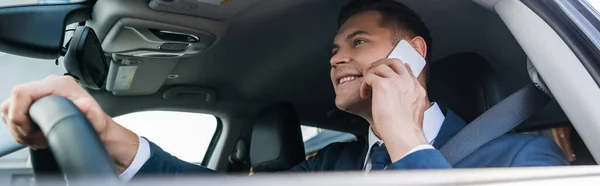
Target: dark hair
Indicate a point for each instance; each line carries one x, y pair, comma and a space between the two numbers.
394, 15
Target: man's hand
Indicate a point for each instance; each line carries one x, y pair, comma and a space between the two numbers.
398, 104
119, 141
15, 109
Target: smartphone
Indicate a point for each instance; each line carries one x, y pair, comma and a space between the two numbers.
407, 54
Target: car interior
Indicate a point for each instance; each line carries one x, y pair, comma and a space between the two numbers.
468, 75
262, 68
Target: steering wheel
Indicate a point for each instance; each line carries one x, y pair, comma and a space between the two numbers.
76, 146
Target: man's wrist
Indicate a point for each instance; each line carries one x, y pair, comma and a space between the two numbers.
399, 144
141, 157
107, 135
121, 144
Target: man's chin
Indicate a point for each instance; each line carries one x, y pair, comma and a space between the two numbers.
351, 106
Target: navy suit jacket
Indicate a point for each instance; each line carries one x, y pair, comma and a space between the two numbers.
509, 150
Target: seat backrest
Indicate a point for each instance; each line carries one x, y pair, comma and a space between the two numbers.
276, 143
464, 83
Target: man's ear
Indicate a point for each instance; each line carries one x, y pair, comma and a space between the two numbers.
419, 44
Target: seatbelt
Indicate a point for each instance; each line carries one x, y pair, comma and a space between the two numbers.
495, 122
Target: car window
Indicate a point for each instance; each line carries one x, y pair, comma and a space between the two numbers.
183, 134
317, 138
309, 132
595, 4
17, 70
4, 3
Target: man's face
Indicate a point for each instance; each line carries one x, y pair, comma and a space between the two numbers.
359, 42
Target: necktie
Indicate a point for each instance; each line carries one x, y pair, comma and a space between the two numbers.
379, 157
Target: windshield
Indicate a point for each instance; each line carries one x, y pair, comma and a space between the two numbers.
16, 70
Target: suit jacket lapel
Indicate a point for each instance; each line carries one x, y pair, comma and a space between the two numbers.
353, 157
363, 155
452, 125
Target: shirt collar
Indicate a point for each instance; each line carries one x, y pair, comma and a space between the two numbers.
433, 118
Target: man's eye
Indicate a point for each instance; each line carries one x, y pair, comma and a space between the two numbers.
334, 52
358, 42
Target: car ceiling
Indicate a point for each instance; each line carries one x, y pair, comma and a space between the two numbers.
279, 50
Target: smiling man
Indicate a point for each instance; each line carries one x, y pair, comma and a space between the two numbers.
405, 127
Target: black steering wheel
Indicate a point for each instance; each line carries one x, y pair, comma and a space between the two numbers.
74, 143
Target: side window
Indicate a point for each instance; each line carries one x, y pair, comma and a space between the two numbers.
185, 135
8, 3
309, 132
316, 138
595, 4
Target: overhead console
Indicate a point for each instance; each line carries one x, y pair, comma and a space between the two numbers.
146, 45
143, 38
213, 9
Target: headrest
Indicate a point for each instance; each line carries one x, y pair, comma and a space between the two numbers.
276, 143
464, 83
238, 159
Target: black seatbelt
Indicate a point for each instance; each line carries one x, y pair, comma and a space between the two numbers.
495, 122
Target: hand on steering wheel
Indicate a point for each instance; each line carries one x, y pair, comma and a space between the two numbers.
70, 122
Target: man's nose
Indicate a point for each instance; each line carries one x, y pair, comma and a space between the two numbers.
339, 59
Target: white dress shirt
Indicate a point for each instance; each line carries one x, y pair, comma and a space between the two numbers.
432, 122
141, 156
433, 118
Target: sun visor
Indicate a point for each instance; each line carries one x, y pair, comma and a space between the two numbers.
144, 38
212, 9
130, 75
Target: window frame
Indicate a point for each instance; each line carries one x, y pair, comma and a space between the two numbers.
567, 22
213, 143
566, 17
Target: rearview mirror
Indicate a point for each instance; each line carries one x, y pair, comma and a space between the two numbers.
85, 59
37, 31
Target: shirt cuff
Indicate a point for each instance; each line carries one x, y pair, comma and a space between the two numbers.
141, 156
418, 148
